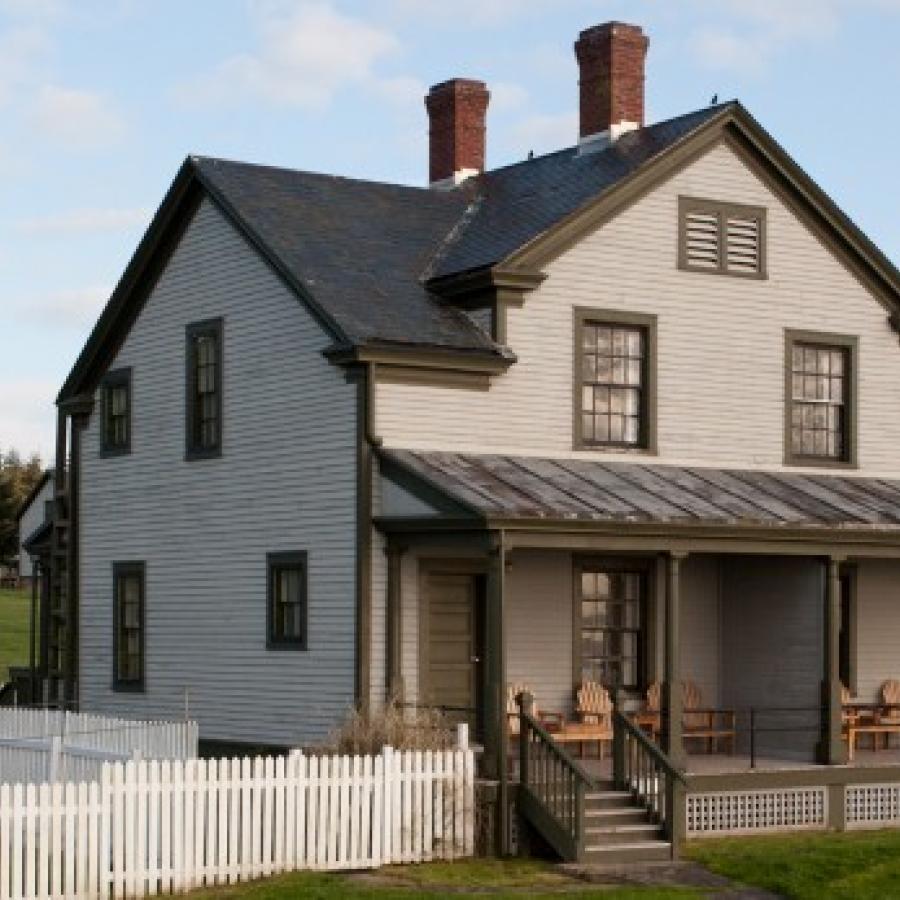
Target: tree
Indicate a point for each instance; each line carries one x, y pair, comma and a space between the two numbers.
17, 480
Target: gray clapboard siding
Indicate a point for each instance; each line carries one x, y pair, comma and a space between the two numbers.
877, 626
720, 341
701, 626
32, 519
772, 647
285, 481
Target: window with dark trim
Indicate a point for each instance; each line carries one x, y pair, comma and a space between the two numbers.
204, 389
613, 612
820, 399
115, 412
129, 586
722, 238
287, 600
614, 381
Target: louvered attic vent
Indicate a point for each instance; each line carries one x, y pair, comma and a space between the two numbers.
722, 237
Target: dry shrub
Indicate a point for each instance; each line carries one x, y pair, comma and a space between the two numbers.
368, 731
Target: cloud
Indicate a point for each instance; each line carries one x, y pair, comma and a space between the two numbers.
543, 133
305, 54
506, 96
85, 221
79, 119
69, 309
466, 13
767, 27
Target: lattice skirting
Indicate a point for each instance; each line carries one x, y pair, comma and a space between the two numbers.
753, 812
872, 805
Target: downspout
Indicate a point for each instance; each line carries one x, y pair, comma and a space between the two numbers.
367, 440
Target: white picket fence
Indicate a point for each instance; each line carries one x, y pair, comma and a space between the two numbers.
163, 827
38, 745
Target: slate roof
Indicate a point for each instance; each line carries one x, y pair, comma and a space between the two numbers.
365, 250
527, 488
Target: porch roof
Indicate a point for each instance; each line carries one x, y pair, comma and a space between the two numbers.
525, 488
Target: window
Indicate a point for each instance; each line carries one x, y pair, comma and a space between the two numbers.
115, 412
723, 238
204, 389
287, 590
614, 388
612, 616
819, 399
128, 634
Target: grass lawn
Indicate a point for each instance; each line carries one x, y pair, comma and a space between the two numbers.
490, 878
860, 866
14, 607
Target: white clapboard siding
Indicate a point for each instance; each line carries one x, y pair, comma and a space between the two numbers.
152, 827
49, 745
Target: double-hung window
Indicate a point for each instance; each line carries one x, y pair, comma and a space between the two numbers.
614, 368
820, 399
115, 412
287, 600
204, 389
612, 608
129, 585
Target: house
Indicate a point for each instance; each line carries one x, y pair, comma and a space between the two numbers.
624, 412
32, 519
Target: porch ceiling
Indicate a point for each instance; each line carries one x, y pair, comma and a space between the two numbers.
524, 489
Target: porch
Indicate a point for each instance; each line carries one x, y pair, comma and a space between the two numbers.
765, 593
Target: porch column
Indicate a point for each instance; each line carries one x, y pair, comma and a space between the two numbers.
831, 747
672, 701
393, 619
496, 727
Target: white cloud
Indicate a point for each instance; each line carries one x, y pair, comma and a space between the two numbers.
766, 27
506, 96
69, 309
79, 119
466, 13
28, 415
85, 221
543, 133
305, 54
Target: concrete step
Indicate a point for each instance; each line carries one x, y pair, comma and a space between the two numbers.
634, 852
627, 833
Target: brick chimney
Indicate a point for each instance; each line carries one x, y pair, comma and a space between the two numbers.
456, 110
611, 82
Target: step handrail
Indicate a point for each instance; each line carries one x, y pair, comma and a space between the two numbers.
640, 766
552, 785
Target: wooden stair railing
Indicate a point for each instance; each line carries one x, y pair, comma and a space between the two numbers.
641, 767
552, 786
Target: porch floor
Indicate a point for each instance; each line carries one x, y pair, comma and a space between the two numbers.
725, 764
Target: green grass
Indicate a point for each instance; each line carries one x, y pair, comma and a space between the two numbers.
14, 607
488, 878
861, 866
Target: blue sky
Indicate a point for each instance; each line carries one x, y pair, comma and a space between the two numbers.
100, 101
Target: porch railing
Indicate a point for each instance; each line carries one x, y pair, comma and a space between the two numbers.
641, 767
552, 786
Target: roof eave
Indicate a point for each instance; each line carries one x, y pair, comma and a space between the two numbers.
480, 362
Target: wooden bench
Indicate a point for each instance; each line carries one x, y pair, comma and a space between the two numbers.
875, 728
582, 733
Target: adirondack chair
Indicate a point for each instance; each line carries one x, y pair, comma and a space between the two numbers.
551, 721
593, 712
890, 714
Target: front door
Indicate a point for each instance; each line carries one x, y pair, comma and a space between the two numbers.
453, 642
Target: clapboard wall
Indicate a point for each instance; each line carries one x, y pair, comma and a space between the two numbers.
285, 482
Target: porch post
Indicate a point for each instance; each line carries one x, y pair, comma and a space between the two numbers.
831, 747
496, 727
672, 701
393, 641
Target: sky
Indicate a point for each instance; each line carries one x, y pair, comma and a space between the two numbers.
101, 100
